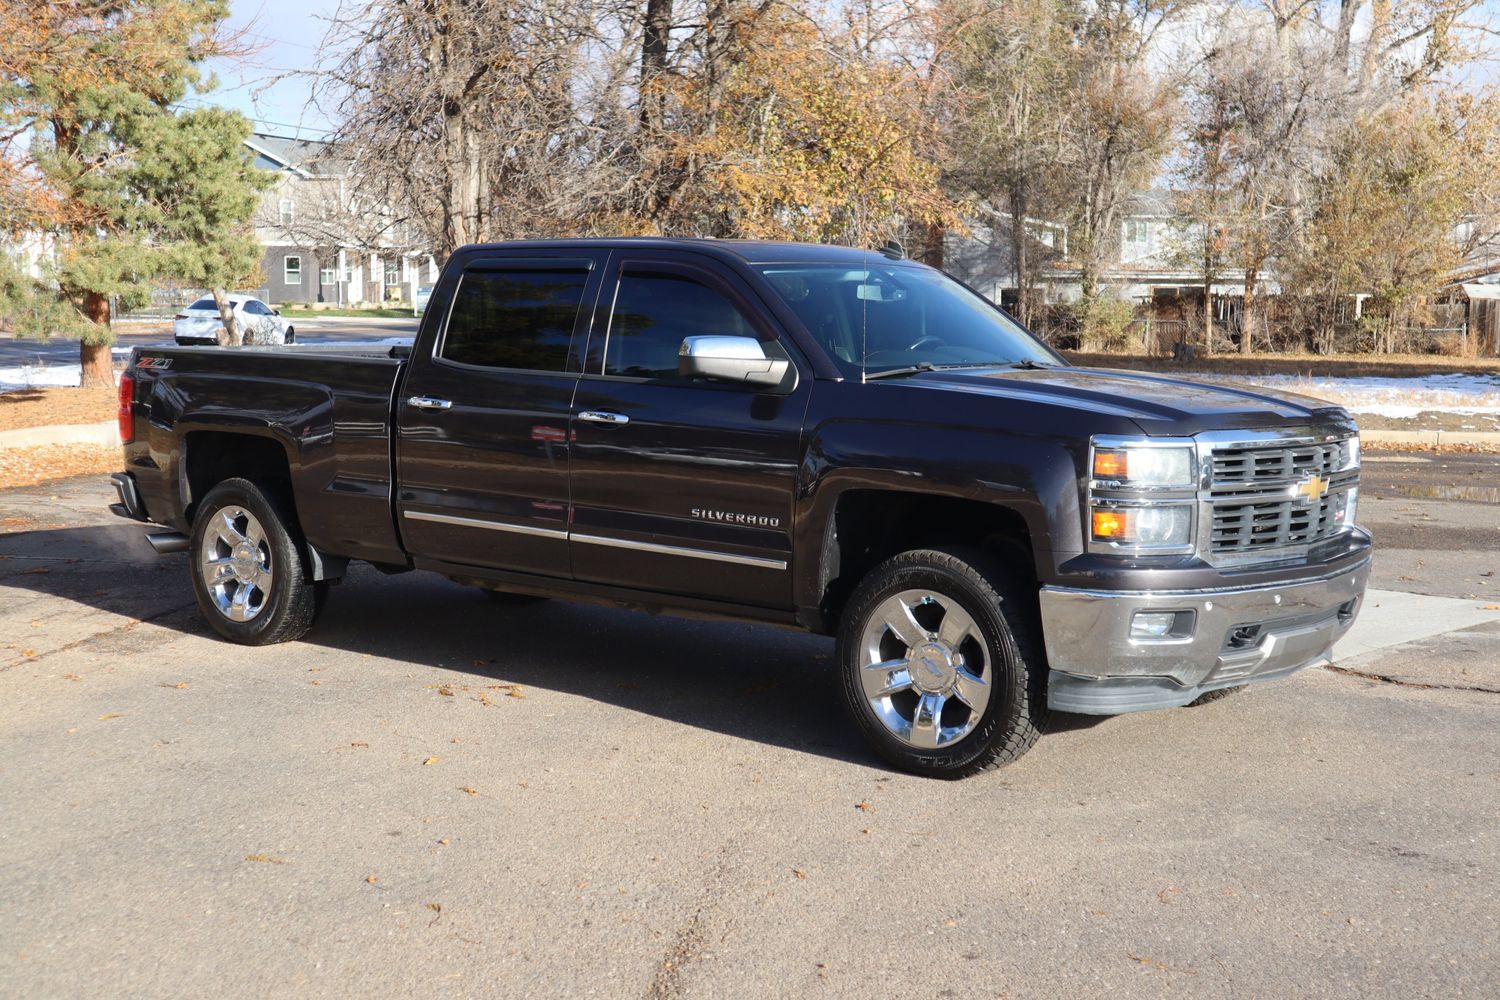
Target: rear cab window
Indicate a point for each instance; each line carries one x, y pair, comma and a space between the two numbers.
518, 316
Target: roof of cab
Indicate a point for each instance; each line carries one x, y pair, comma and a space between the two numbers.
750, 251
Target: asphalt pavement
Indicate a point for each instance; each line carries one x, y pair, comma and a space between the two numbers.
435, 796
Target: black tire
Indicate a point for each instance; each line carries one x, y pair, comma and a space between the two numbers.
291, 336
1004, 614
507, 599
1215, 695
289, 604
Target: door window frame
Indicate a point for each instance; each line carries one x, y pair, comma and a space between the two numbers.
702, 270
589, 264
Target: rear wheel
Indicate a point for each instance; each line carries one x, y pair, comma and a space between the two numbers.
941, 665
247, 569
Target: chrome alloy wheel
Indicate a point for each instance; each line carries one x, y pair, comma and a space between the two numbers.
925, 671
236, 561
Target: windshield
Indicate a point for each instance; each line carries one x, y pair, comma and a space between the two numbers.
205, 304
898, 316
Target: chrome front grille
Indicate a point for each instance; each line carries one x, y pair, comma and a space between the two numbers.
1258, 499
1247, 464
1248, 527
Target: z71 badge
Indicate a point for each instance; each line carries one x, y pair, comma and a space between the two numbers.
156, 363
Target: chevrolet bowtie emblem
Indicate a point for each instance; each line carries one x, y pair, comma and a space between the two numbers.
1311, 489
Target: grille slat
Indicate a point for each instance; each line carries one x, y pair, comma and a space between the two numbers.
1251, 503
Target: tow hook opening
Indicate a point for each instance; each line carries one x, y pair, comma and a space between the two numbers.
1243, 637
1347, 609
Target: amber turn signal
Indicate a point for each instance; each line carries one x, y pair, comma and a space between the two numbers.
1111, 525
1111, 464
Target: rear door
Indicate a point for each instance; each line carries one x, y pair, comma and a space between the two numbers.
682, 486
482, 423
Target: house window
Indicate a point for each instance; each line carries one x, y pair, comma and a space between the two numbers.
393, 272
288, 210
1135, 231
327, 276
291, 269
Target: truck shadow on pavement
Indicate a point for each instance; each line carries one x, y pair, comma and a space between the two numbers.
754, 682
759, 683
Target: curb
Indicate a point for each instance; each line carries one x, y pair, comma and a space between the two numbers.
1431, 439
106, 432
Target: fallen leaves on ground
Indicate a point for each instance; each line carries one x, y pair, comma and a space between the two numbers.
371, 879
864, 806
430, 761
45, 406
110, 715
467, 790
30, 466
265, 859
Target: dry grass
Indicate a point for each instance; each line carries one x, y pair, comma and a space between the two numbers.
1316, 365
29, 466
45, 406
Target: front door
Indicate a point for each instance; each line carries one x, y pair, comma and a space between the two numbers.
682, 486
482, 425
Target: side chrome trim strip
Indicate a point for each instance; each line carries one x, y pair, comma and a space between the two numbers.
677, 550
474, 522
615, 543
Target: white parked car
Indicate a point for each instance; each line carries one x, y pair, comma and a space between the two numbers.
200, 322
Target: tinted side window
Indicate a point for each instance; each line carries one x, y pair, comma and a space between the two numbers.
514, 319
653, 313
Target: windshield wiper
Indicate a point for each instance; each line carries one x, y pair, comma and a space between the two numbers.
1028, 365
925, 366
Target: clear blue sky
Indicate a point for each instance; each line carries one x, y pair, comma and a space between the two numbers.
285, 35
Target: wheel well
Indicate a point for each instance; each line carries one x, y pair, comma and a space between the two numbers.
210, 457
870, 526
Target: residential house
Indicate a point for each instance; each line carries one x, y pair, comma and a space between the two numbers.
317, 242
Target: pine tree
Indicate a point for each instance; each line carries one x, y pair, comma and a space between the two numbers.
86, 90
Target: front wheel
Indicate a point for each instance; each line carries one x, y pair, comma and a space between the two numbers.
247, 569
941, 665
290, 337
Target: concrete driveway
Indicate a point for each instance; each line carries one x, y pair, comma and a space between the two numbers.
435, 796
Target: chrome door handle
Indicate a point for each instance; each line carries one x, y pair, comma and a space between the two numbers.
604, 417
428, 403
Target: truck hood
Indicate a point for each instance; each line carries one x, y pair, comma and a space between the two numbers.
1159, 404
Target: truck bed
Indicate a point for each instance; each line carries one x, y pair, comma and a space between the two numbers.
328, 409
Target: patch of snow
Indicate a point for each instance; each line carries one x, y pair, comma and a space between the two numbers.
20, 377
1460, 392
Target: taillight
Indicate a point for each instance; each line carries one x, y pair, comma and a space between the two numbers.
126, 412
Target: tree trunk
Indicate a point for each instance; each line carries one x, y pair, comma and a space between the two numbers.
1019, 255
95, 359
654, 40
1247, 316
231, 335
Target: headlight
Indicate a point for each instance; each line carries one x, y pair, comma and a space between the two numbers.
1159, 526
1164, 466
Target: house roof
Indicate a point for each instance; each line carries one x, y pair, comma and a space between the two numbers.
307, 157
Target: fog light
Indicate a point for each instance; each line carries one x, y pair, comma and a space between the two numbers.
1161, 625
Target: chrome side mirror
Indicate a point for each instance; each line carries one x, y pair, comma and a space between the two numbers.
730, 359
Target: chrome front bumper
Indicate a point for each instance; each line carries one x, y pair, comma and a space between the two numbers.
1237, 636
